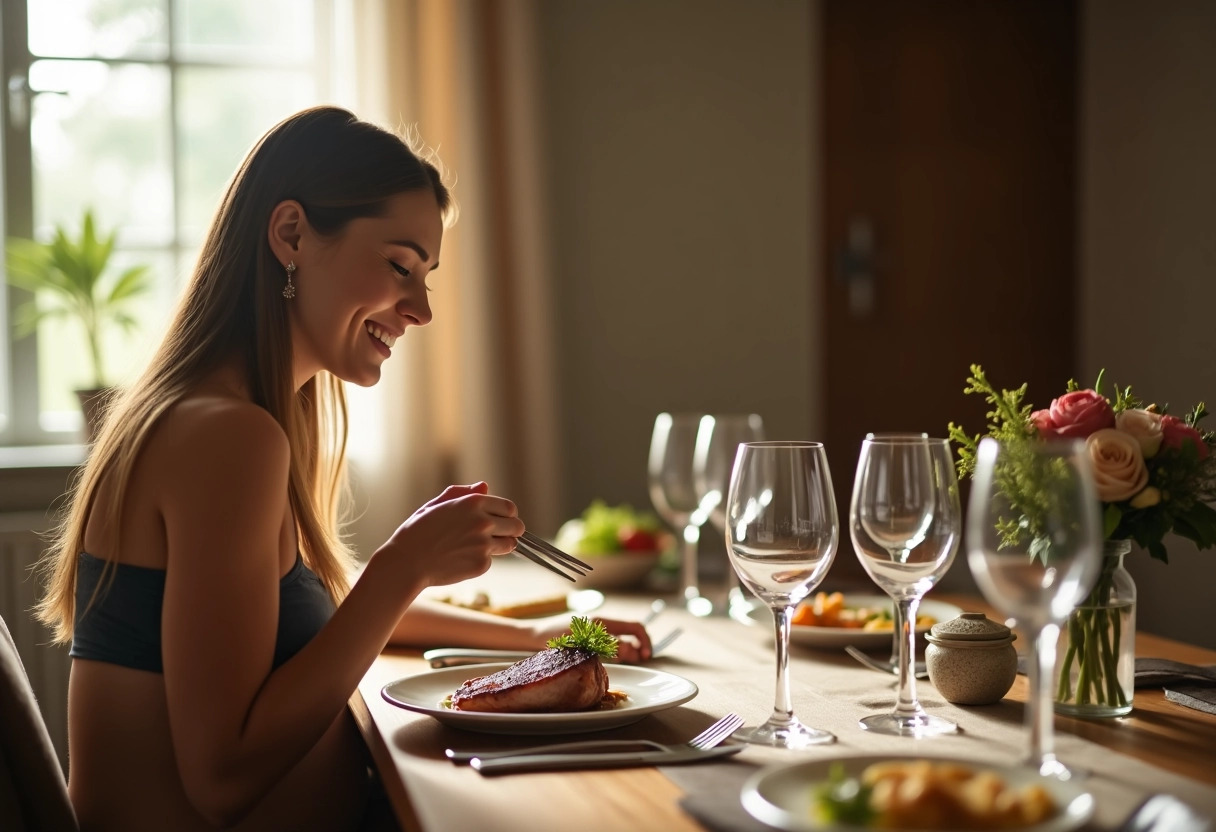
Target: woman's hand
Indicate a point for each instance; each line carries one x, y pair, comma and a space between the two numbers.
454, 536
633, 642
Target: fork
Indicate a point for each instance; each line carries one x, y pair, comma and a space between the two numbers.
665, 641
712, 736
656, 607
543, 553
918, 668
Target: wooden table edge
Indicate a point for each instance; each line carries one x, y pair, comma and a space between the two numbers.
394, 787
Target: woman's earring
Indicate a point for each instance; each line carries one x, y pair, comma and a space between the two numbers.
289, 291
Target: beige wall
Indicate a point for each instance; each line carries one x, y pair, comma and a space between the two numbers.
1148, 242
682, 140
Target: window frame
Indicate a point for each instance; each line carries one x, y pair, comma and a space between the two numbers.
19, 382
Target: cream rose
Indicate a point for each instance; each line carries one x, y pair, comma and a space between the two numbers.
1118, 462
1144, 426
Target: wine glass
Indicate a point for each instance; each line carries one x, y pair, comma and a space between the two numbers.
718, 440
673, 492
1034, 543
781, 536
918, 668
905, 522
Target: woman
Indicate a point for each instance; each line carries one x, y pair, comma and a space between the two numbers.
199, 571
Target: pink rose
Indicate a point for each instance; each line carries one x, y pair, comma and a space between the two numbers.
1144, 426
1119, 469
1077, 414
1041, 419
1174, 432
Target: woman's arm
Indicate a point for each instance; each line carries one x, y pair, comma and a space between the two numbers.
238, 727
433, 624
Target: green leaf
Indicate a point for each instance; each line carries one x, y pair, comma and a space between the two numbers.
69, 278
1110, 520
587, 635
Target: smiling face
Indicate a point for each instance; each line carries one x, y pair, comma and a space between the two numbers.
357, 292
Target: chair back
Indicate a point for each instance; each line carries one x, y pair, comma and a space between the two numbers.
33, 792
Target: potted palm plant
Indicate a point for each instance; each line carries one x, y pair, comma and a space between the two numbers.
70, 277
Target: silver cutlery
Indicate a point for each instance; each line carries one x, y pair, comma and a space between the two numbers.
457, 656
543, 553
885, 667
557, 762
685, 753
709, 738
656, 607
665, 642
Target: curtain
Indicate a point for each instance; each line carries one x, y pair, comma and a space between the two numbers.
471, 396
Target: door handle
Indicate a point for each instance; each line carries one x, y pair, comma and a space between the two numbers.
855, 267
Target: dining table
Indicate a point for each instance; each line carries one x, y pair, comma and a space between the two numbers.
1160, 747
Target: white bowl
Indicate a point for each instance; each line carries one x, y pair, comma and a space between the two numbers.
620, 570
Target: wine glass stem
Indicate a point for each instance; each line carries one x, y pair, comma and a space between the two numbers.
905, 618
1039, 713
692, 537
783, 710
897, 632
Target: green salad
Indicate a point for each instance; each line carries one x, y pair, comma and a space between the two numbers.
604, 530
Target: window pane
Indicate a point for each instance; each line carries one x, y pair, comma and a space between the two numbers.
99, 28
275, 31
228, 110
105, 144
64, 360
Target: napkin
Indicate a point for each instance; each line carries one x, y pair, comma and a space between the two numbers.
715, 802
1201, 697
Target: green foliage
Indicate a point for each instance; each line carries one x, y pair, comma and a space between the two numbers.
1008, 420
69, 278
588, 636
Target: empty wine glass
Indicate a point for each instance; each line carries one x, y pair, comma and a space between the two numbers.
781, 535
673, 492
1034, 543
718, 439
918, 667
905, 522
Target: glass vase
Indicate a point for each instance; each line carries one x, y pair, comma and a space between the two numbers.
1096, 656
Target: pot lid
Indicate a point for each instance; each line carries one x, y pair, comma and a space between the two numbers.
970, 626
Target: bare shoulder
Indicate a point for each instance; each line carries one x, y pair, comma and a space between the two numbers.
210, 433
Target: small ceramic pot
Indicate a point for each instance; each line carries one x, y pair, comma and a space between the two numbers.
971, 659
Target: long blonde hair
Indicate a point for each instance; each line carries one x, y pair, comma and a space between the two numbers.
338, 168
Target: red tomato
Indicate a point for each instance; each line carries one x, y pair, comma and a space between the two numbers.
637, 540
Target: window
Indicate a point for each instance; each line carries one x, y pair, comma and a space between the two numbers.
139, 110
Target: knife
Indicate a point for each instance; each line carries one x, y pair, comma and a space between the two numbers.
455, 656
556, 762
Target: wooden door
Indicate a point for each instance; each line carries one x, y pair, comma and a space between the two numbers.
949, 182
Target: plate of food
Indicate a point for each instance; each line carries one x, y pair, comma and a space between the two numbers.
837, 620
914, 793
563, 689
622, 545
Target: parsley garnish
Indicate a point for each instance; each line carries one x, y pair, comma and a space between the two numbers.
587, 635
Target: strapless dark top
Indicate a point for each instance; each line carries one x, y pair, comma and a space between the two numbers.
123, 625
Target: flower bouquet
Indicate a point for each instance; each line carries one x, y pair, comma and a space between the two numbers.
1155, 474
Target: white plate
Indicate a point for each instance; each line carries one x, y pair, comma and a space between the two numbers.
782, 796
840, 637
648, 691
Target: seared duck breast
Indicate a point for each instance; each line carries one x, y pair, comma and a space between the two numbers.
556, 679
